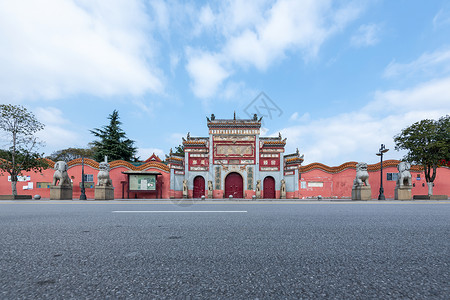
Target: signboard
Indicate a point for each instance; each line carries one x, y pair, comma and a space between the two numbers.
20, 178
143, 182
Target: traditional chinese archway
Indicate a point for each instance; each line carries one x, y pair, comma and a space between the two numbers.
199, 187
269, 187
234, 185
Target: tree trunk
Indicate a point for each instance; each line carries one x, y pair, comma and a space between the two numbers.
14, 187
430, 177
430, 188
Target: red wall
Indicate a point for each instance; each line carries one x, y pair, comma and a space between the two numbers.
335, 185
74, 173
339, 185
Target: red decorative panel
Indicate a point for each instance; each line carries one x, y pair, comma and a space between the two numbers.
198, 162
234, 150
269, 164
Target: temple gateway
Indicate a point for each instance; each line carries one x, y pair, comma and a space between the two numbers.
234, 161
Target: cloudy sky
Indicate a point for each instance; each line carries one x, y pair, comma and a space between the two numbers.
336, 78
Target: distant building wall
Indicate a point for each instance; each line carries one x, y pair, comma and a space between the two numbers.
336, 182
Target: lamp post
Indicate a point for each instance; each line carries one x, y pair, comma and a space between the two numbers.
83, 194
382, 151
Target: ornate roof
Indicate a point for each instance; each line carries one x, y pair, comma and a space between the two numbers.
273, 143
195, 142
154, 157
233, 123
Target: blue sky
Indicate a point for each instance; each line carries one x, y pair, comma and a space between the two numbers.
344, 76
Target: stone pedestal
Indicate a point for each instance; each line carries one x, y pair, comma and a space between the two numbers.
104, 192
60, 192
362, 193
403, 193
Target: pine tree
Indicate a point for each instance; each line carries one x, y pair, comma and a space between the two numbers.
113, 141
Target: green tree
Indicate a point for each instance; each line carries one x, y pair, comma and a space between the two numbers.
113, 141
179, 150
427, 143
20, 126
72, 153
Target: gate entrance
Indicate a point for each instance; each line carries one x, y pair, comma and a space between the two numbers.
199, 187
234, 185
269, 187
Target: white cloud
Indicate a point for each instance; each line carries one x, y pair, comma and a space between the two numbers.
357, 135
264, 131
175, 139
57, 133
50, 115
367, 35
206, 18
431, 95
296, 117
145, 153
207, 74
428, 64
256, 35
59, 137
442, 18
174, 61
53, 49
162, 15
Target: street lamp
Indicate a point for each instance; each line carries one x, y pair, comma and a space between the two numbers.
382, 151
83, 193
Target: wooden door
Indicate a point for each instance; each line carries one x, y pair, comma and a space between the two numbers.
199, 187
234, 185
269, 187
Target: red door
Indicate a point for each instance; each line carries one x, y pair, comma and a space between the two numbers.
199, 187
269, 188
234, 185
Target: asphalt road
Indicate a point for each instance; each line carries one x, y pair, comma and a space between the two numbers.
92, 250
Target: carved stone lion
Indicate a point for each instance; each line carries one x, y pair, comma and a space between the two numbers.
210, 189
283, 189
404, 176
60, 176
185, 189
258, 189
103, 178
362, 176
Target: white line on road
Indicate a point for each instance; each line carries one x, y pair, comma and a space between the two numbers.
179, 211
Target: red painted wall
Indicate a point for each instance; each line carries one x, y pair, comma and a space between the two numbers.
336, 185
74, 173
339, 185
